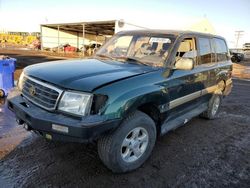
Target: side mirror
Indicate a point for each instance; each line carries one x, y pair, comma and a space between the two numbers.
184, 64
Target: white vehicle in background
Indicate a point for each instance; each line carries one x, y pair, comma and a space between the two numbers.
246, 50
246, 46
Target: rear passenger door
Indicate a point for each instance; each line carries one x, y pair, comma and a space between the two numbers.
212, 55
223, 70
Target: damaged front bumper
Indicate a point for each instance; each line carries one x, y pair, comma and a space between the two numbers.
56, 126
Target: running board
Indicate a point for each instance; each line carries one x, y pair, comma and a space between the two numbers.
183, 119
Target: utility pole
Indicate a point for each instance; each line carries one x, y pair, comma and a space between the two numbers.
238, 34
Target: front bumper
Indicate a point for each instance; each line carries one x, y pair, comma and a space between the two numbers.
85, 129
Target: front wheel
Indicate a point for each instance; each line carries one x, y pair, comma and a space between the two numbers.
128, 147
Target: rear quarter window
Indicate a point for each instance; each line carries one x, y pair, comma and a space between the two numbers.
221, 49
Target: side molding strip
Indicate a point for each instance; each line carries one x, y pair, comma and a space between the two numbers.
184, 99
192, 96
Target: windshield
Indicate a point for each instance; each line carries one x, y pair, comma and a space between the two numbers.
144, 49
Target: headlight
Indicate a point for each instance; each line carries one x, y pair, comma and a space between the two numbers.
20, 82
75, 103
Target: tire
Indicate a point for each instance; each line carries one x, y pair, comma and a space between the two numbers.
114, 148
213, 107
233, 59
2, 94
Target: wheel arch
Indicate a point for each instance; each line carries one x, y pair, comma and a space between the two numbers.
221, 81
150, 106
153, 112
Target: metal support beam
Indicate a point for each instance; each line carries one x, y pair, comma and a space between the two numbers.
83, 39
58, 38
96, 41
77, 40
41, 37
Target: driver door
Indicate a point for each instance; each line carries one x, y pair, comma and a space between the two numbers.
185, 85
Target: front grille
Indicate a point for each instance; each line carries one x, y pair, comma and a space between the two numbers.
40, 93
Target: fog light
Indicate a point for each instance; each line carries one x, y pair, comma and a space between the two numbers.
60, 128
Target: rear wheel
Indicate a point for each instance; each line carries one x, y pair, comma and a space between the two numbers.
128, 147
213, 107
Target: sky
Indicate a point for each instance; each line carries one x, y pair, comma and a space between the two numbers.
226, 16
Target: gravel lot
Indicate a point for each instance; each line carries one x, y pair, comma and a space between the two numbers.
202, 153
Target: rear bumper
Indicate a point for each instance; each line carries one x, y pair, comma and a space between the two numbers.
84, 129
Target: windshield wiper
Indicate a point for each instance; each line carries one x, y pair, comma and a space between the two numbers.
129, 59
135, 60
105, 56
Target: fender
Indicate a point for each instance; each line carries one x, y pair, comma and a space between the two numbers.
144, 96
127, 95
224, 80
223, 72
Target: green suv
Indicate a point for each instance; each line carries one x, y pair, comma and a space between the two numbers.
139, 85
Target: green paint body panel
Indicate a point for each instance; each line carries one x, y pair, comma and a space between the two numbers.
158, 87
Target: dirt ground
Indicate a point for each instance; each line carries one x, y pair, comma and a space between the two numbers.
202, 153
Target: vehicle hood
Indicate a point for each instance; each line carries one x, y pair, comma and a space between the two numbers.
84, 75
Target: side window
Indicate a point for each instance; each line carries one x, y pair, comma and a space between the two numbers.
205, 50
221, 50
187, 49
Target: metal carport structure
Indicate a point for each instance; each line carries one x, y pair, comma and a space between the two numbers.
76, 33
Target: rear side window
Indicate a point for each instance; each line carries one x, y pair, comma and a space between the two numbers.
221, 49
205, 50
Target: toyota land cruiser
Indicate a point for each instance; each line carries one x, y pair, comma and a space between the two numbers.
139, 85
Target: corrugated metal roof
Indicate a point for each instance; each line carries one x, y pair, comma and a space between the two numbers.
98, 27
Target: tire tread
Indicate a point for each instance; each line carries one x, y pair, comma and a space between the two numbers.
105, 143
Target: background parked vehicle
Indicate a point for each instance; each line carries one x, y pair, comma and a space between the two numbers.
236, 57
